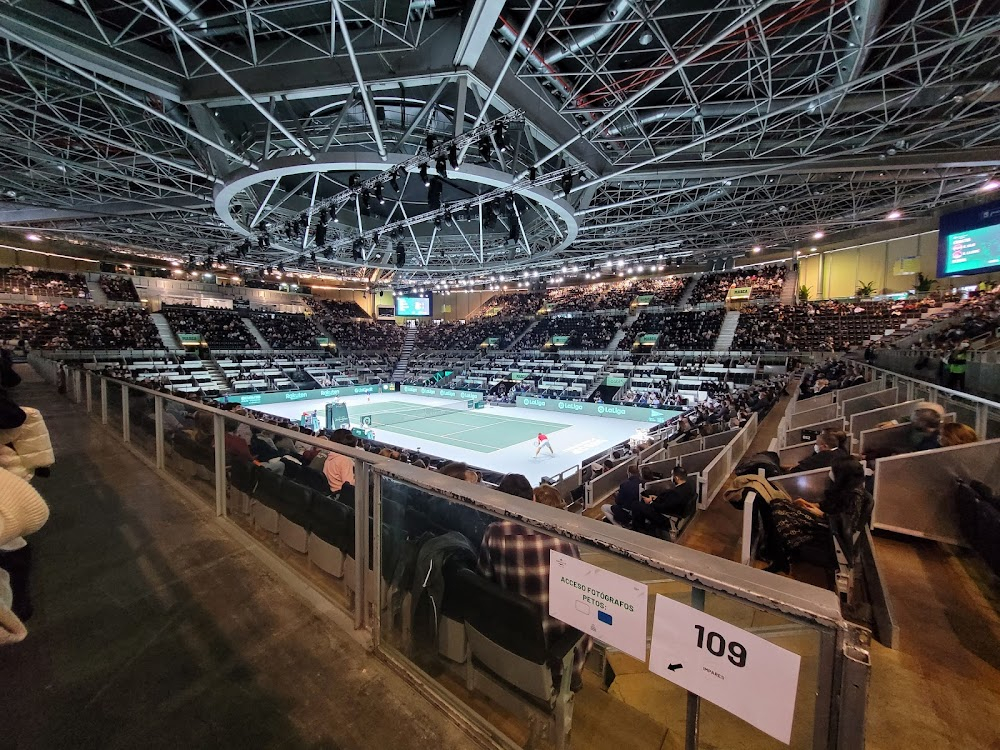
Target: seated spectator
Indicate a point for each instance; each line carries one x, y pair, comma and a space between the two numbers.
517, 559
460, 470
676, 501
831, 445
955, 433
517, 485
627, 500
338, 468
799, 522
925, 421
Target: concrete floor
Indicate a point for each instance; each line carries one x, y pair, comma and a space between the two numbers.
154, 629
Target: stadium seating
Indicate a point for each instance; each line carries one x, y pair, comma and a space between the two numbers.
286, 330
765, 282
576, 332
71, 327
494, 333
818, 326
616, 295
118, 288
18, 280
221, 329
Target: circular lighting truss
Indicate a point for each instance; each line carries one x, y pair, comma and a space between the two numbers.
384, 215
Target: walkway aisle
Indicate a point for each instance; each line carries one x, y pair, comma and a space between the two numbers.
153, 629
941, 687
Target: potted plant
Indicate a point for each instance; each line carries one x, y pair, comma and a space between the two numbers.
924, 284
865, 290
804, 293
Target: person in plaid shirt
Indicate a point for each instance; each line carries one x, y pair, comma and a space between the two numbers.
517, 559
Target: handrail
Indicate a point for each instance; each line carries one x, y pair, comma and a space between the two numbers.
790, 597
932, 386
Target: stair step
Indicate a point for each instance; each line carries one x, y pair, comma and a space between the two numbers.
96, 293
167, 335
264, 346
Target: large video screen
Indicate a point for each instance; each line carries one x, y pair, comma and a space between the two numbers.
969, 241
414, 307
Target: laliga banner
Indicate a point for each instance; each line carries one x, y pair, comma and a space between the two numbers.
633, 413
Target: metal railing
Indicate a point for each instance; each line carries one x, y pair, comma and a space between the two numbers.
354, 567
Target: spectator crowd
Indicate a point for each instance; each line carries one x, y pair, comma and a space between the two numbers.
118, 288
765, 282
286, 330
221, 329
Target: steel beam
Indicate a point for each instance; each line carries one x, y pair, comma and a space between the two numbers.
476, 34
53, 27
183, 36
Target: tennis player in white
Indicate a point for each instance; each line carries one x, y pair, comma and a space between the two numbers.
543, 442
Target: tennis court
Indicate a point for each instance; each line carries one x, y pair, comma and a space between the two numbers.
479, 430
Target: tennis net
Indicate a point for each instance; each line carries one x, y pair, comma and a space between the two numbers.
386, 418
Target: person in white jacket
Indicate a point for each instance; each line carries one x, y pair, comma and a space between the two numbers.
25, 448
22, 511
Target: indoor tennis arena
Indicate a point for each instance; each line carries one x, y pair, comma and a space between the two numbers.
525, 374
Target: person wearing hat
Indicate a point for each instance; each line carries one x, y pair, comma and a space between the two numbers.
22, 511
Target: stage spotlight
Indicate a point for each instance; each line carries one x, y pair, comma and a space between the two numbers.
533, 173
400, 255
566, 182
512, 235
430, 142
441, 167
498, 136
378, 194
434, 191
354, 180
321, 235
323, 215
447, 218
394, 180
423, 175
485, 149
453, 156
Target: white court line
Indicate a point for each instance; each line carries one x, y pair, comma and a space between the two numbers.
441, 440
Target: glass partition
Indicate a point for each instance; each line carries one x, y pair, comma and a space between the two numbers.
277, 492
189, 447
142, 422
451, 610
412, 567
113, 392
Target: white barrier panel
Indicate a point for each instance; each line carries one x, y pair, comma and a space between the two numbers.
815, 402
813, 415
865, 420
845, 394
915, 492
869, 401
715, 475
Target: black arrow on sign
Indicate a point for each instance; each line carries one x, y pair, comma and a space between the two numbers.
674, 667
